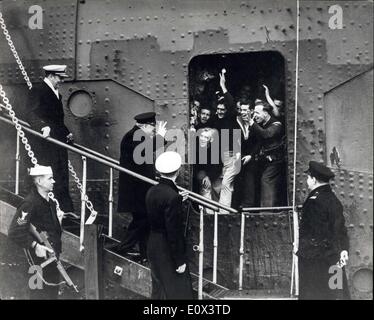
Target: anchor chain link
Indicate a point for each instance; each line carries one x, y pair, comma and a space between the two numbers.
14, 51
89, 204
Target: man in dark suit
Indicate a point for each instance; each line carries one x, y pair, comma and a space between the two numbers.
137, 154
246, 187
166, 245
38, 210
47, 115
323, 240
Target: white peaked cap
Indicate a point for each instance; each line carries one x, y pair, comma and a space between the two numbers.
40, 171
168, 162
59, 69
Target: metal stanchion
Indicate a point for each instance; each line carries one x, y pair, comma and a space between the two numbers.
16, 189
110, 226
295, 260
241, 251
83, 202
201, 254
215, 247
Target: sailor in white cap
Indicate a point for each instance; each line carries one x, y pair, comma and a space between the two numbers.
38, 212
168, 163
166, 244
40, 171
46, 115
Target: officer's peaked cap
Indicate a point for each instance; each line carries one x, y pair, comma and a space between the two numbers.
147, 117
319, 171
58, 69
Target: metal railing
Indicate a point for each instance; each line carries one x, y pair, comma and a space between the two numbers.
214, 206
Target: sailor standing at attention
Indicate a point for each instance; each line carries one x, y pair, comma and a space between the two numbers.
38, 211
166, 244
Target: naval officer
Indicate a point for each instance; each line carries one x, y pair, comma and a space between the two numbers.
47, 116
324, 243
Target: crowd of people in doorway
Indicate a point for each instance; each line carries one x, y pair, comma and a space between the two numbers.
249, 135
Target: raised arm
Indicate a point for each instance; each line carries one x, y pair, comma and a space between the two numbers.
228, 99
271, 101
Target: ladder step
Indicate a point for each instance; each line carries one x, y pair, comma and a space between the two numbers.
195, 284
217, 293
256, 295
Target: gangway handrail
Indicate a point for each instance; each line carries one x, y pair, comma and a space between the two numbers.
211, 204
98, 154
268, 209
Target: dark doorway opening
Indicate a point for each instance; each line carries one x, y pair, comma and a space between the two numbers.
243, 70
245, 77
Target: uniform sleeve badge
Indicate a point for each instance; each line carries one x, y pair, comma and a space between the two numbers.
22, 220
314, 196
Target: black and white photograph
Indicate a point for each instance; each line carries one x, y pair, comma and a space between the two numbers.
191, 151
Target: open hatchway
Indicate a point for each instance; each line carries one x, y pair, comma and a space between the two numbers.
267, 239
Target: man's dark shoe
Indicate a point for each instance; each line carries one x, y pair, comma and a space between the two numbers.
144, 262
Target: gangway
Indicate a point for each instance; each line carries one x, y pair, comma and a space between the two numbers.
132, 276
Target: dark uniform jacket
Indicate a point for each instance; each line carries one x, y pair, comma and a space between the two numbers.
249, 141
270, 138
47, 110
164, 208
229, 124
323, 234
42, 215
132, 191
